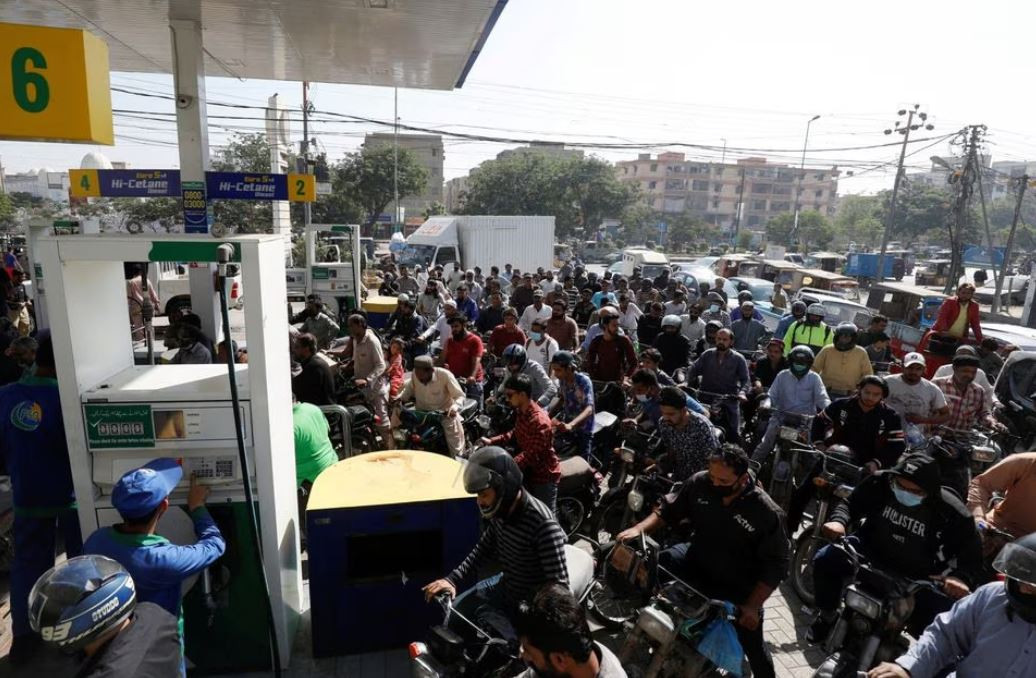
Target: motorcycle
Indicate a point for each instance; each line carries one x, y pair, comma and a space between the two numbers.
477, 651
835, 482
578, 492
875, 610
961, 454
631, 503
422, 430
638, 449
602, 440
790, 459
718, 414
353, 429
1016, 388
665, 637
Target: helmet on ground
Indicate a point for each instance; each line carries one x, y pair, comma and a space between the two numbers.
671, 320
515, 355
75, 603
493, 468
845, 330
801, 354
816, 309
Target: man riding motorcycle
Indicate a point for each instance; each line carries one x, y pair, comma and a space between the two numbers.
707, 340
796, 391
989, 633
723, 372
908, 524
843, 364
738, 549
810, 331
517, 362
674, 347
798, 312
520, 534
1005, 498
575, 402
687, 436
647, 388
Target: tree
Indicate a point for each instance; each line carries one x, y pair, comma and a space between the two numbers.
6, 210
337, 208
815, 230
858, 219
366, 178
155, 214
685, 228
920, 210
436, 209
744, 240
578, 192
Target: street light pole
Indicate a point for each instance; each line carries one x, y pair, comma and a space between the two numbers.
802, 170
905, 131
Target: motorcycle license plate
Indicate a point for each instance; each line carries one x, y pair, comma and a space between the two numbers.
789, 433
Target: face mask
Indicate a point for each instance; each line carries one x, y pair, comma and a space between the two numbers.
723, 491
536, 336
1022, 604
798, 369
641, 398
693, 318
905, 498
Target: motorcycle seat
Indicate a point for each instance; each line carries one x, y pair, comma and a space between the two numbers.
576, 473
359, 415
469, 408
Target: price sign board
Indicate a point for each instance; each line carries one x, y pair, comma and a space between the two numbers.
54, 85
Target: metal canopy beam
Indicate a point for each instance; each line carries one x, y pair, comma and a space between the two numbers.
427, 44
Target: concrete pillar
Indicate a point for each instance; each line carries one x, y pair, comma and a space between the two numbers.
193, 136
278, 134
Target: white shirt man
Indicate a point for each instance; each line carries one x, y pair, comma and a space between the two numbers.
532, 313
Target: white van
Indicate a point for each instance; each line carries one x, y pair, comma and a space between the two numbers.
650, 262
173, 286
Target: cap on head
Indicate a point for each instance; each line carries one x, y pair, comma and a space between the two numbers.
140, 491
424, 361
921, 469
563, 358
914, 359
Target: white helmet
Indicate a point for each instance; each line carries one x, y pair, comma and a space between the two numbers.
671, 320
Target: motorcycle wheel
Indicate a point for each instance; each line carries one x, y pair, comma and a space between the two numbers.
612, 608
609, 522
806, 546
570, 513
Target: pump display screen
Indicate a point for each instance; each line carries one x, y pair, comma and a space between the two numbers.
169, 425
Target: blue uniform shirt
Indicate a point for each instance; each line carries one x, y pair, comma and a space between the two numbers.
156, 565
32, 443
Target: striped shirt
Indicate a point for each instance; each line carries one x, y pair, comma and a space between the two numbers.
529, 545
967, 406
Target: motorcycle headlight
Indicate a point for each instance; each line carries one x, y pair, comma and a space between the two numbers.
843, 491
789, 433
635, 500
864, 604
483, 421
983, 454
627, 454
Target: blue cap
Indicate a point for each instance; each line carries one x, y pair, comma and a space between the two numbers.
140, 491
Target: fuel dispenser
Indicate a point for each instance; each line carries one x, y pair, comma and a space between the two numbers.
119, 415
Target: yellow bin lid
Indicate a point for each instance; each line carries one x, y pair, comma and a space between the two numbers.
389, 477
377, 304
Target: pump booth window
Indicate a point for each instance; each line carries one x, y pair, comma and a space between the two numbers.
169, 425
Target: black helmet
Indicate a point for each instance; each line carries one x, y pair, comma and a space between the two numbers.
493, 467
515, 355
713, 325
745, 295
563, 358
798, 305
75, 603
801, 354
845, 330
1017, 562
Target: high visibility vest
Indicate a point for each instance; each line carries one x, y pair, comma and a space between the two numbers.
814, 336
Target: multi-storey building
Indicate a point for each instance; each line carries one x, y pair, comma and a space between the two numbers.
717, 191
428, 150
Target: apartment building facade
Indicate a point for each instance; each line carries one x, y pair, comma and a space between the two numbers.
428, 150
717, 191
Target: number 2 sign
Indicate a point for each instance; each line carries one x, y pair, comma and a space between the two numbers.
54, 85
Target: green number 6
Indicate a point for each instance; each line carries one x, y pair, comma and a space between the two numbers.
21, 78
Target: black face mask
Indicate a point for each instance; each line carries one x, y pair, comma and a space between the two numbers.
1022, 604
724, 491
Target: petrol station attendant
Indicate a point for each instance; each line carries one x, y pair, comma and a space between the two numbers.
34, 451
157, 566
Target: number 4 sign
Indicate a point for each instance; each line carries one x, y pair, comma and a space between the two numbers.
54, 85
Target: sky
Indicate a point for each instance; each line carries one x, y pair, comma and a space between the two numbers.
653, 73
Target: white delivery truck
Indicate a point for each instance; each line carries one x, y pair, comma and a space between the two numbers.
524, 242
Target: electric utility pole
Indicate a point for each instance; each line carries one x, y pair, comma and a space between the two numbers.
905, 130
395, 159
307, 206
740, 207
1023, 183
964, 180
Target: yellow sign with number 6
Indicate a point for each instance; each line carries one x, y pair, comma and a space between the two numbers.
54, 85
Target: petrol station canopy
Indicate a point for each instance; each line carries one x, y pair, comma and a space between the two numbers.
427, 44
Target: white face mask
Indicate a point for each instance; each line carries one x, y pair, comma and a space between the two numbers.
641, 398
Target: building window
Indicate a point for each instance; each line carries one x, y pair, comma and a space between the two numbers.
700, 185
820, 177
753, 220
820, 194
675, 185
625, 170
654, 167
761, 188
715, 204
634, 169
651, 185
759, 204
718, 171
717, 187
780, 206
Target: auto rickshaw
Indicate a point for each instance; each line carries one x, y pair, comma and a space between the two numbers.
911, 310
728, 265
832, 262
767, 269
934, 273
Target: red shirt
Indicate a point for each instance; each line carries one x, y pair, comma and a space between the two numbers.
501, 337
461, 355
395, 375
535, 437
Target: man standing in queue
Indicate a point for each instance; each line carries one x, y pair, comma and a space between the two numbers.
738, 551
521, 534
369, 372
